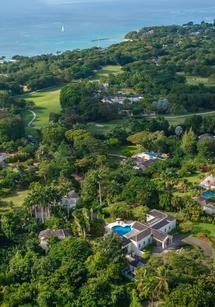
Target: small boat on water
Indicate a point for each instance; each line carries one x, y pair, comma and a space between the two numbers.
62, 29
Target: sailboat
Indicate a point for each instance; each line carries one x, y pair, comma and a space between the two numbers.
62, 29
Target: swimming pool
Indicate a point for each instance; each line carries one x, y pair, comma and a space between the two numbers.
208, 194
121, 230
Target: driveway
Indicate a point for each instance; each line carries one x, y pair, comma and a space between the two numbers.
180, 240
204, 245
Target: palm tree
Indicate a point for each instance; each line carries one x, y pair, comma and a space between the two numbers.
41, 199
82, 221
162, 286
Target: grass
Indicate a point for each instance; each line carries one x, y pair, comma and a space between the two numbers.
209, 230
128, 150
17, 199
46, 101
180, 119
104, 128
195, 80
107, 71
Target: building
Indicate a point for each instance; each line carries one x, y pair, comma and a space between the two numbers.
145, 159
120, 99
46, 234
206, 205
70, 200
207, 136
3, 157
208, 183
136, 236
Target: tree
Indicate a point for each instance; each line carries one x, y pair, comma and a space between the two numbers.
188, 143
206, 148
41, 199
82, 221
146, 139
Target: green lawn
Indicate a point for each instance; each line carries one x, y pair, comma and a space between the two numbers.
104, 128
195, 80
179, 119
46, 101
128, 150
108, 70
17, 199
209, 230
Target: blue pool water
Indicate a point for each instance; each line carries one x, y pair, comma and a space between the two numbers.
208, 194
153, 154
121, 230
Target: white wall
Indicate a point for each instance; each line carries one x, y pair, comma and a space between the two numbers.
169, 227
136, 246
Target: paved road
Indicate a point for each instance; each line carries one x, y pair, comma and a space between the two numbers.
33, 119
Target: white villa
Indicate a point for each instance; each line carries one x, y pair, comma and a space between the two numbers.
136, 236
208, 183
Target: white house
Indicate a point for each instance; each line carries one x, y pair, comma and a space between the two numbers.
136, 236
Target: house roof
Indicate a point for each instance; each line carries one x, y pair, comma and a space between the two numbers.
141, 235
161, 224
138, 226
125, 241
201, 200
159, 235
208, 182
72, 194
157, 213
210, 205
59, 233
135, 261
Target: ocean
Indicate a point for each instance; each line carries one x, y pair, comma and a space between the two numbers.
47, 26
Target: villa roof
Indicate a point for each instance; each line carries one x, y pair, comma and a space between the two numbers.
157, 213
143, 234
159, 235
161, 224
138, 226
125, 241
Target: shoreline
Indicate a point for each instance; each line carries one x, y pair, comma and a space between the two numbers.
87, 42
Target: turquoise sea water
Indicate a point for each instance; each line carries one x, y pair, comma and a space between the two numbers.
36, 26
